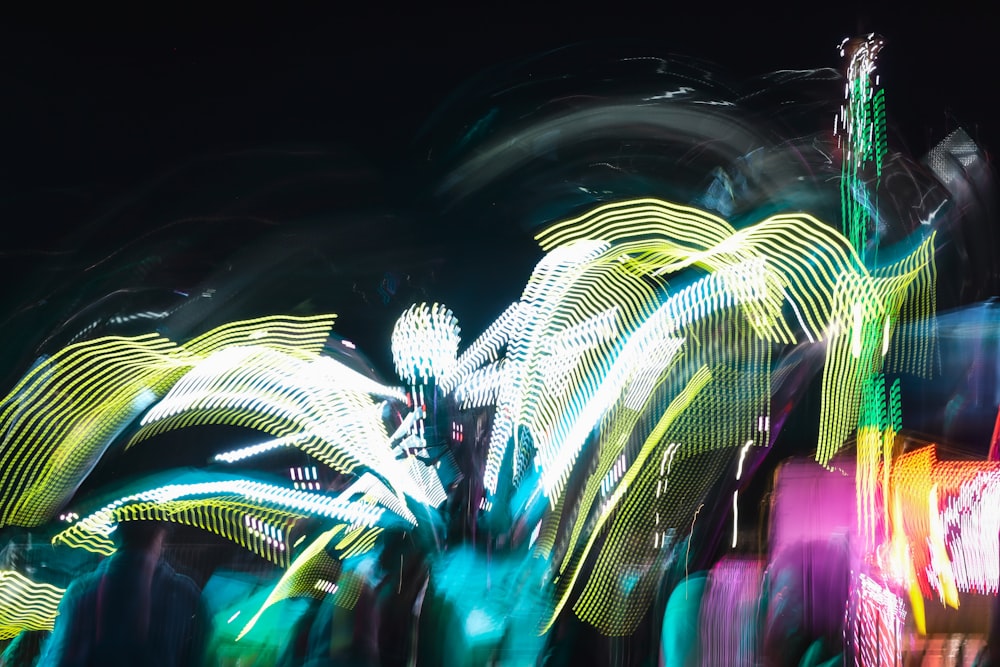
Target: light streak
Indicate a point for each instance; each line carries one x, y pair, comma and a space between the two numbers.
315, 573
743, 453
877, 625
313, 403
736, 516
26, 604
257, 516
484, 349
828, 295
63, 414
570, 570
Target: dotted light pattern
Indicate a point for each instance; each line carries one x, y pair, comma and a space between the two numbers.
878, 625
426, 479
26, 604
604, 602
315, 572
785, 280
647, 356
971, 521
916, 529
949, 524
63, 414
798, 261
484, 350
61, 418
371, 490
425, 343
578, 298
285, 333
481, 387
258, 517
909, 340
881, 420
861, 134
860, 129
856, 355
250, 451
260, 530
313, 403
644, 523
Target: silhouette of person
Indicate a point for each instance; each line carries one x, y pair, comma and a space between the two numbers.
134, 609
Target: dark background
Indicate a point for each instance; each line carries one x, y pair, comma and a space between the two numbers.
95, 105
